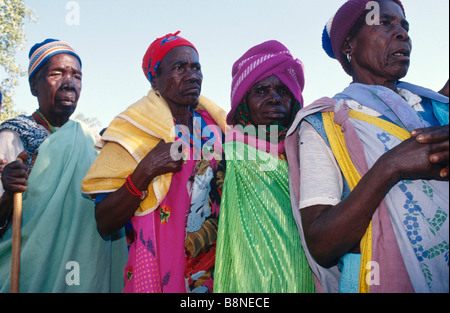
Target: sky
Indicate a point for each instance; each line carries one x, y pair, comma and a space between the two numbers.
112, 36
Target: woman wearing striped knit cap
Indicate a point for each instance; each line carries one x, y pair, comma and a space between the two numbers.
258, 246
371, 194
61, 249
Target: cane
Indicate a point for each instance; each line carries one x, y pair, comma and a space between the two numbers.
16, 241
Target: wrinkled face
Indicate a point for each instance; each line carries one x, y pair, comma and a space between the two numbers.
179, 77
57, 85
382, 52
269, 100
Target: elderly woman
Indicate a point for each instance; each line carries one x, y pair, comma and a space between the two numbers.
172, 200
369, 167
258, 247
61, 249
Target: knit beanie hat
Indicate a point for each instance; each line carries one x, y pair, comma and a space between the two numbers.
40, 53
339, 27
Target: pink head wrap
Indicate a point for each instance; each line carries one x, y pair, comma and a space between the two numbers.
264, 60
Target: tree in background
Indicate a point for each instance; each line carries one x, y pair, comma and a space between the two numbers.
91, 122
13, 14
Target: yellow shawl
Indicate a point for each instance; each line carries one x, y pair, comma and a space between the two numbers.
129, 138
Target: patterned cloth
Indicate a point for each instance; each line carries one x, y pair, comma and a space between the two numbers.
410, 227
176, 225
174, 247
130, 137
30, 134
200, 142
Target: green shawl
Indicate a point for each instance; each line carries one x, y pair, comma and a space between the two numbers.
61, 248
258, 246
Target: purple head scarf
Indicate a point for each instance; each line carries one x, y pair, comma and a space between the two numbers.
339, 27
264, 60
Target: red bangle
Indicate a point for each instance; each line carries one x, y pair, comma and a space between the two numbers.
132, 188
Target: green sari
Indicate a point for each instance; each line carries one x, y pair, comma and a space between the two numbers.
258, 246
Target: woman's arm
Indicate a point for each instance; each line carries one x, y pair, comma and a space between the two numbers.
332, 231
113, 212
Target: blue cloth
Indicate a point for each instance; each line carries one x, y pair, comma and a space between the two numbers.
441, 112
100, 197
349, 266
30, 134
395, 108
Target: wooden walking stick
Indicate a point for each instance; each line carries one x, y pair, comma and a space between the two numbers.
16, 241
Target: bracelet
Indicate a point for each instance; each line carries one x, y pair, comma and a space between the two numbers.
133, 189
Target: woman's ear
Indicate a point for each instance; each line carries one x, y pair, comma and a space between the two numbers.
154, 83
347, 47
33, 86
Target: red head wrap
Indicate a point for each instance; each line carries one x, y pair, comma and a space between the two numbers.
158, 49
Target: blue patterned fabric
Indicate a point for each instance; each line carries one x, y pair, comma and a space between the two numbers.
30, 134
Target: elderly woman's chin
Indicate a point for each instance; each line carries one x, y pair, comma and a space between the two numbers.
402, 72
190, 99
398, 66
395, 72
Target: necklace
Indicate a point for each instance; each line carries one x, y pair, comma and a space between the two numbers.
43, 121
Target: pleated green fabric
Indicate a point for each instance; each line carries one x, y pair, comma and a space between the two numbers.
258, 246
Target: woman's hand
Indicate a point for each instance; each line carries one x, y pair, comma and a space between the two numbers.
14, 179
118, 207
163, 159
14, 175
438, 137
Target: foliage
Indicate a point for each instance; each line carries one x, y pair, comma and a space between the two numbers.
92, 122
13, 14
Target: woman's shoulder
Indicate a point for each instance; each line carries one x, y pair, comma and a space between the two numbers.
18, 122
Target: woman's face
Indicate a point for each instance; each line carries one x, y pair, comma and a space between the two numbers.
179, 80
57, 85
381, 53
269, 100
